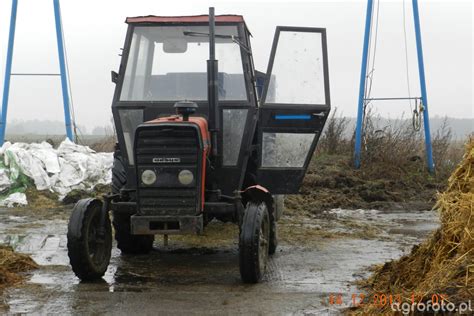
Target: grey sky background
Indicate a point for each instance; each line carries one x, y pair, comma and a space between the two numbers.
95, 32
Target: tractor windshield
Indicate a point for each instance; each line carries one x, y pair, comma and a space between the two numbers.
166, 64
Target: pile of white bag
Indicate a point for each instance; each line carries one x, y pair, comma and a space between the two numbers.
69, 167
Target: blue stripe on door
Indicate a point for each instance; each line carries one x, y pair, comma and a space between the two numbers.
292, 117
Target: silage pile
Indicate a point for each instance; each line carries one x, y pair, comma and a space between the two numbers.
444, 264
11, 264
57, 170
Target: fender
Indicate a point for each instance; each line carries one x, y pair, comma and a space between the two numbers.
260, 194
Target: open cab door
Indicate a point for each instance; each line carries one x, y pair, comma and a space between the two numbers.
294, 107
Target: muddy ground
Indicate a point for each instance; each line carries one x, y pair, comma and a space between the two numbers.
318, 255
332, 182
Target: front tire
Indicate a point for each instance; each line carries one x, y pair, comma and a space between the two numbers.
89, 252
254, 242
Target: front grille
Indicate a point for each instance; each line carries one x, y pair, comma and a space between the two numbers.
167, 149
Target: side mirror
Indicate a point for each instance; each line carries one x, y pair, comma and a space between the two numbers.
114, 76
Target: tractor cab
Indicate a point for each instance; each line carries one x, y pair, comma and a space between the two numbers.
203, 135
164, 62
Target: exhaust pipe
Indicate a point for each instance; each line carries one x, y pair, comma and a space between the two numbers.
212, 85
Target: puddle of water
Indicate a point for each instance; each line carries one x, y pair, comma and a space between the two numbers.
179, 278
18, 219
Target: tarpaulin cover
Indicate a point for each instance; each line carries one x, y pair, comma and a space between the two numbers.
69, 167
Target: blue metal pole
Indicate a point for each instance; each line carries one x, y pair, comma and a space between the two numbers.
363, 73
8, 71
62, 68
424, 98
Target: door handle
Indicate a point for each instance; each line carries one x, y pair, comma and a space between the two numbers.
320, 114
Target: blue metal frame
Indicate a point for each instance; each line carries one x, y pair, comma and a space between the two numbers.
8, 71
62, 67
424, 98
363, 72
421, 70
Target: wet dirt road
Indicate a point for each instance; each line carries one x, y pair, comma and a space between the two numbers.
318, 255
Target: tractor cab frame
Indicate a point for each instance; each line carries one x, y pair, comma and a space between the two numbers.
199, 141
237, 105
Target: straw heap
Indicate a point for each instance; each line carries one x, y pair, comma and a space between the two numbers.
11, 264
444, 264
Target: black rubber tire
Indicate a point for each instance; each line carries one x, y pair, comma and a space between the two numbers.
126, 242
89, 257
119, 175
278, 207
254, 242
273, 242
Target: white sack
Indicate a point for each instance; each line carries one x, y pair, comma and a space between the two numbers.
14, 199
5, 182
70, 167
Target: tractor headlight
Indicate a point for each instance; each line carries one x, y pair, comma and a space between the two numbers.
185, 177
148, 177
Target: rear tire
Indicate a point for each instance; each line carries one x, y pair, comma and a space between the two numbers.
273, 244
126, 242
254, 242
278, 207
89, 253
119, 175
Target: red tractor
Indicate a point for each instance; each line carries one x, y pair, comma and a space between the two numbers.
198, 141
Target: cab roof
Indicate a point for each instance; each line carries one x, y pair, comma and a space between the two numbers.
228, 18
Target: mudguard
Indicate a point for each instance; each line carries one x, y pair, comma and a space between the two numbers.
257, 193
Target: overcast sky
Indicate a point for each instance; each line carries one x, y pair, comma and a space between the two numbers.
95, 32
